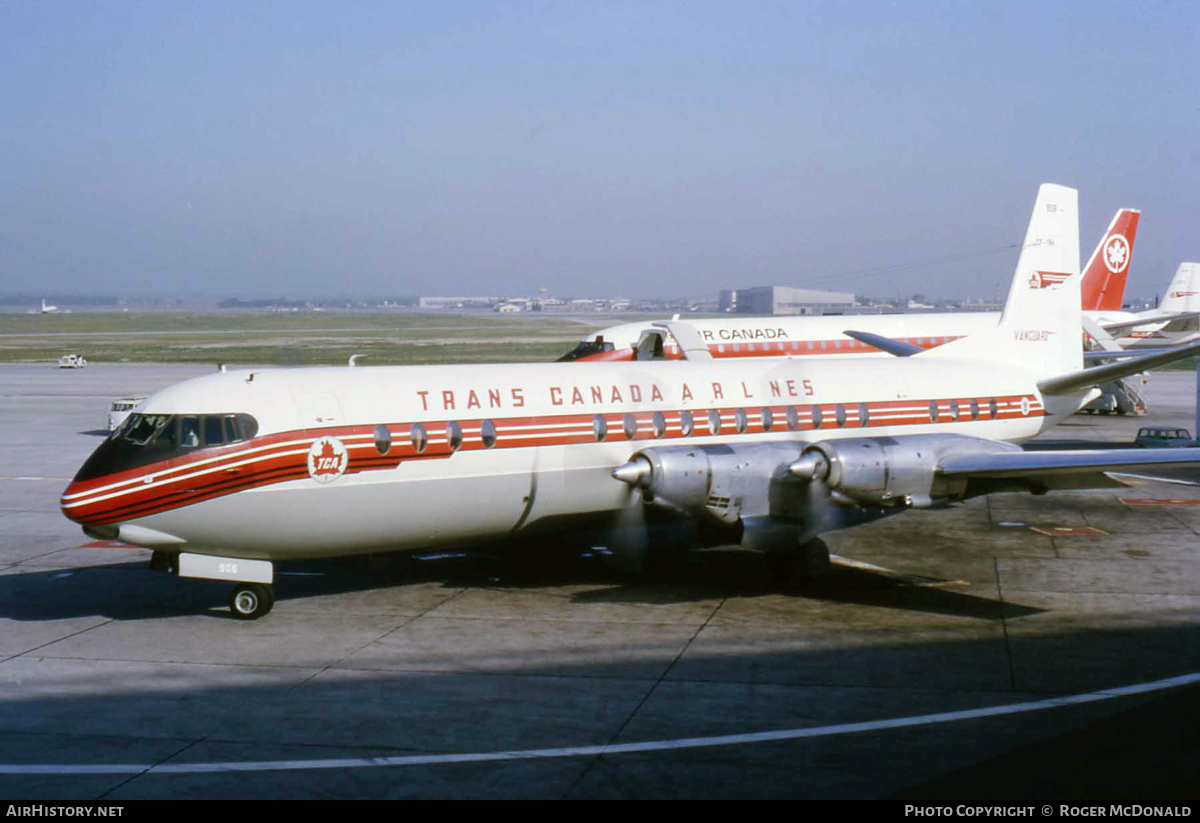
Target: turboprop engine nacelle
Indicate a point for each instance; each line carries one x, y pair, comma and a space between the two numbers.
889, 471
726, 483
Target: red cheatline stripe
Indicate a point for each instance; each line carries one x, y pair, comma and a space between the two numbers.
283, 456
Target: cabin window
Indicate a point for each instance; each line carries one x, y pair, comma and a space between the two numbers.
739, 421
837, 344
714, 422
383, 439
660, 424
454, 436
864, 414
974, 409
793, 418
418, 438
487, 433
933, 411
768, 420
599, 427
630, 426
816, 417
686, 424
954, 410
839, 413
993, 409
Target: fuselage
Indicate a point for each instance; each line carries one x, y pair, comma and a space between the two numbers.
824, 336
326, 461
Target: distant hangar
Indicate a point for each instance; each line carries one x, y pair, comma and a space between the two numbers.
784, 300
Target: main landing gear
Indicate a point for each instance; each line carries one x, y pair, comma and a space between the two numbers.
250, 601
811, 562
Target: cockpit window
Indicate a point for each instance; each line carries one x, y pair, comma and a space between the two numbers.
189, 431
149, 438
587, 348
142, 427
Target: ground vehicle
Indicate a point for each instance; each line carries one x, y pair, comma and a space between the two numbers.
1164, 438
71, 361
120, 408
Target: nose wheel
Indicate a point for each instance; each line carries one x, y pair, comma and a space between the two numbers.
250, 601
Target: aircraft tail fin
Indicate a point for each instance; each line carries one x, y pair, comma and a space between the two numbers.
1040, 326
1103, 281
1184, 292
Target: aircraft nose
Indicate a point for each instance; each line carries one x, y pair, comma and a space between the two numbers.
75, 507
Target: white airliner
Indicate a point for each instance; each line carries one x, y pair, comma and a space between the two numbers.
1103, 288
1175, 320
225, 474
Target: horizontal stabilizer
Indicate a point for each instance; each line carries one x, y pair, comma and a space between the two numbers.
1123, 354
887, 344
1149, 320
1085, 378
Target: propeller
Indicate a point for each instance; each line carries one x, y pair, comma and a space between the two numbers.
647, 514
629, 539
821, 511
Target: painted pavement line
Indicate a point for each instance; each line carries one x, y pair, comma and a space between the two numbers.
610, 749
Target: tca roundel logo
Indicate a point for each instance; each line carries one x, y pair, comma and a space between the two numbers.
327, 459
1116, 254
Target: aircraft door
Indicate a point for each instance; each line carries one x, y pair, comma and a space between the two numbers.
650, 345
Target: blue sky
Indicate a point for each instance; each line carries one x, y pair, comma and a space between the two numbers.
641, 149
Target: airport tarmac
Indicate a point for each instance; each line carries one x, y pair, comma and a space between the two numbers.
556, 678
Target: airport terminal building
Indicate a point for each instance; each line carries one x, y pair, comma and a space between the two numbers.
784, 300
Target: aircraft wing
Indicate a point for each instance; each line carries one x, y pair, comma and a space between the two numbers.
1149, 321
1046, 470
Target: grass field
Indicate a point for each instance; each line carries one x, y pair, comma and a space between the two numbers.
286, 339
325, 338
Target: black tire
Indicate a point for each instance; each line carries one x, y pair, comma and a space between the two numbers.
161, 561
250, 601
810, 562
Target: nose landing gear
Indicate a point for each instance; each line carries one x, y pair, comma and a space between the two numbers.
250, 601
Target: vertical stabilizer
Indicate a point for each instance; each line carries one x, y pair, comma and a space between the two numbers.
1103, 283
1040, 327
1184, 292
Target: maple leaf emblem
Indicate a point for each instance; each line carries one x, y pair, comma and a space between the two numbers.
1117, 254
327, 459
